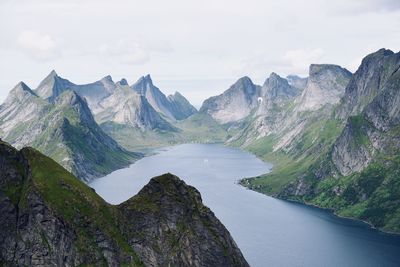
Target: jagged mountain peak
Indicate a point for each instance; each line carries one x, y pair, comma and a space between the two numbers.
123, 82
177, 94
171, 185
325, 85
369, 79
245, 80
277, 88
380, 53
22, 86
155, 97
316, 70
244, 84
234, 103
19, 93
275, 79
143, 83
107, 78
274, 75
52, 86
181, 105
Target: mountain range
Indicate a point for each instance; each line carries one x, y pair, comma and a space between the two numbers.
333, 137
76, 125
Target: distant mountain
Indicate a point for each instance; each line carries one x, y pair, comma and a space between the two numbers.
127, 107
325, 85
95, 92
173, 108
234, 104
63, 129
50, 218
274, 93
181, 104
52, 86
128, 114
343, 151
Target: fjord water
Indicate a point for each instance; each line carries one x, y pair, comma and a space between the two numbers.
269, 232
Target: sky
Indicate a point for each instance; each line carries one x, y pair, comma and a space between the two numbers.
198, 48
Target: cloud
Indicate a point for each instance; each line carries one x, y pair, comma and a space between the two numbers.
295, 61
37, 45
125, 52
300, 59
357, 7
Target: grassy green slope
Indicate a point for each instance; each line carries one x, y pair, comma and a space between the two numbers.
68, 139
73, 201
307, 149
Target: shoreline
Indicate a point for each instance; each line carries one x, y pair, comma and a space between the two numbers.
331, 211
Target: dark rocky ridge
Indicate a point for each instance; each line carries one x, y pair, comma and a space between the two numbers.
50, 218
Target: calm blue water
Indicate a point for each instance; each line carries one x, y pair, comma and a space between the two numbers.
269, 232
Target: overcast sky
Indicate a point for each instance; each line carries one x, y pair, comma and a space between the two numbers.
196, 47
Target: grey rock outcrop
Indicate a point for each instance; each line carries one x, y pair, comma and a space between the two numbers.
368, 133
127, 107
184, 232
167, 106
368, 81
52, 86
234, 104
325, 85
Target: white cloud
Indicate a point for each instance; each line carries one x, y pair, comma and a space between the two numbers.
125, 52
37, 45
296, 61
355, 7
300, 59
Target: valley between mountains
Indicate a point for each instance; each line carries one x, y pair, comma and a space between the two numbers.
333, 137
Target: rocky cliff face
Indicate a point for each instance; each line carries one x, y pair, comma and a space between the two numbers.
184, 232
234, 104
52, 86
166, 106
325, 85
95, 92
367, 134
370, 77
50, 218
127, 107
181, 104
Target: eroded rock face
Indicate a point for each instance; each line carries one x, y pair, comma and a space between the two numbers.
184, 232
50, 218
367, 81
369, 133
127, 107
52, 86
166, 106
235, 103
325, 85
